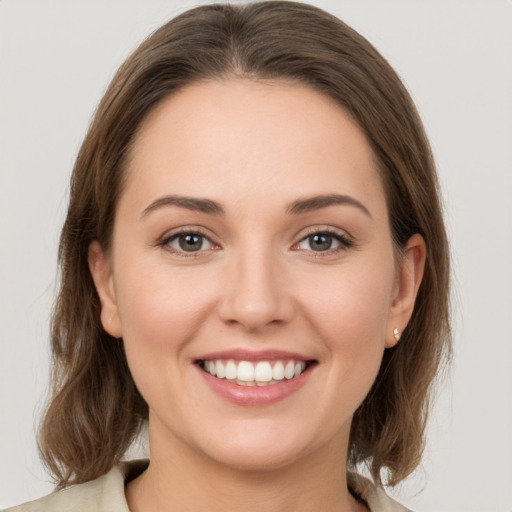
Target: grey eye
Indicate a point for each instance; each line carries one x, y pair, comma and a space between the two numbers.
321, 242
190, 242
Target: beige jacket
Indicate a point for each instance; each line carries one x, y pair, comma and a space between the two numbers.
106, 494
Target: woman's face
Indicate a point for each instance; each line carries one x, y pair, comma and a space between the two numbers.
251, 241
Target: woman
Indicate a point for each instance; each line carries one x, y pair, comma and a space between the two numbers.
254, 261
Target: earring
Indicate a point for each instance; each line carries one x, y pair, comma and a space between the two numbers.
396, 334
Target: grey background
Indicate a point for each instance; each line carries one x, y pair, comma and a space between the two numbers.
56, 58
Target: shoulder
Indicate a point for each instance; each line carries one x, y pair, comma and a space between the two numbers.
375, 497
104, 493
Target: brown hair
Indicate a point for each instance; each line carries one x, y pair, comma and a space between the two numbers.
95, 410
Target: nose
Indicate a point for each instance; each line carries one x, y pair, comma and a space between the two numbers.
257, 293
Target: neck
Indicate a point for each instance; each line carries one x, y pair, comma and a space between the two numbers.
180, 478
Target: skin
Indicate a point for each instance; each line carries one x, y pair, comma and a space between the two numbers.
257, 283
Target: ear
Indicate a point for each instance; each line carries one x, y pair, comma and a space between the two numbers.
100, 267
407, 284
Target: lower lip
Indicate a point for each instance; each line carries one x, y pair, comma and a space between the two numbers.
255, 395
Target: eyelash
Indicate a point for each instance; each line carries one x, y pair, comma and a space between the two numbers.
344, 241
166, 241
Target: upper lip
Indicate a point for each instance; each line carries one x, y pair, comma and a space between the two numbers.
254, 355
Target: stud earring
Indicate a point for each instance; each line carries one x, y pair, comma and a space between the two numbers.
396, 334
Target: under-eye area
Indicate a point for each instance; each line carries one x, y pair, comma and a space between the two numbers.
258, 373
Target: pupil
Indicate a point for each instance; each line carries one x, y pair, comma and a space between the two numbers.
190, 242
320, 242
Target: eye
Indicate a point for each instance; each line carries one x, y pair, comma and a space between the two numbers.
323, 241
189, 241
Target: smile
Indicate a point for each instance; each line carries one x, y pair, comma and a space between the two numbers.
261, 373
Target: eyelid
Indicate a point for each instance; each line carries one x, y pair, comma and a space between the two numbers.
321, 228
345, 239
168, 236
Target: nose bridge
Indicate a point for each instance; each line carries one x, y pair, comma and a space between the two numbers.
257, 295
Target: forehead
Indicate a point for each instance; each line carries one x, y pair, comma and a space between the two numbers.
252, 139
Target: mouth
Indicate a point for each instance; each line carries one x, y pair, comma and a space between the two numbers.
259, 373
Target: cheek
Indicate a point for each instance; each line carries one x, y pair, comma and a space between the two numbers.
349, 310
352, 302
161, 311
349, 319
160, 303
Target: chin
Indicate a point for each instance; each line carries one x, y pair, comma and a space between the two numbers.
253, 458
259, 449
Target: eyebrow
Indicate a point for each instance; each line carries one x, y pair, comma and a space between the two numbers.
189, 203
323, 201
298, 207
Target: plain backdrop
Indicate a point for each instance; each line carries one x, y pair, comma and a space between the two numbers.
455, 56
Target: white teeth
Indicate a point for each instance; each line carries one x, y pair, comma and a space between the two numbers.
299, 368
245, 371
289, 370
220, 370
231, 370
263, 373
278, 371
